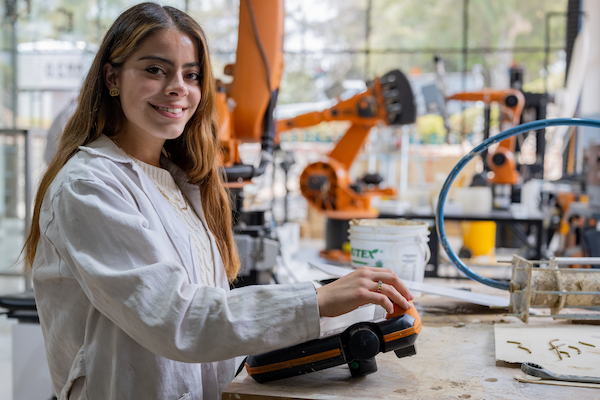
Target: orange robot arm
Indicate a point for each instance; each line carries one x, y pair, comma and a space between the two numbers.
245, 106
387, 100
326, 184
509, 99
502, 161
258, 67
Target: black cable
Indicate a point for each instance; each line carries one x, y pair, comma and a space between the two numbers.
275, 278
241, 367
259, 44
521, 234
268, 129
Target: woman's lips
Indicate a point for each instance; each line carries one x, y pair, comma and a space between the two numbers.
170, 111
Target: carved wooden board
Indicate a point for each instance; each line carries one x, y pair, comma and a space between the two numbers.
581, 359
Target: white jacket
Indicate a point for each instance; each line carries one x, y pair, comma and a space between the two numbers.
116, 286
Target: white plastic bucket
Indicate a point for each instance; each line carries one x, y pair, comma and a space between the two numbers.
397, 244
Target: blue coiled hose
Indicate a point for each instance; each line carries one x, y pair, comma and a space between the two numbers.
439, 214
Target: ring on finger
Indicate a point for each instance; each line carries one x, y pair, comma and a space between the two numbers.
379, 286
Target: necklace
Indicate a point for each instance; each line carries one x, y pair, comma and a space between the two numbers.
177, 203
166, 196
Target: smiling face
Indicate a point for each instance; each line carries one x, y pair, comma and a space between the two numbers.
159, 87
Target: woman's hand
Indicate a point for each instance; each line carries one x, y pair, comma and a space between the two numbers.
362, 287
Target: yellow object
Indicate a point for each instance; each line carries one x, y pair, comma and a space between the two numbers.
564, 227
346, 247
479, 237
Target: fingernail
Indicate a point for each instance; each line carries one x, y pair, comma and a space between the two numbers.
409, 306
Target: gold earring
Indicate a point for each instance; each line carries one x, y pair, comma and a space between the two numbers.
114, 92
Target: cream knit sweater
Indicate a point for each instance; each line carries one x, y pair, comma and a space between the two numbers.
198, 232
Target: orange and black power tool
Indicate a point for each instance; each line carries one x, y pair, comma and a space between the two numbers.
356, 346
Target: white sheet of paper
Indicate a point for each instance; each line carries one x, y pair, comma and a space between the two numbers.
475, 298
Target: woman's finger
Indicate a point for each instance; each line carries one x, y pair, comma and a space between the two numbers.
389, 277
387, 295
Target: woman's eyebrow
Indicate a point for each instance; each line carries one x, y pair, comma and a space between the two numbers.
167, 61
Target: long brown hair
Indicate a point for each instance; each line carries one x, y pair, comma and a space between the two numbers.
195, 151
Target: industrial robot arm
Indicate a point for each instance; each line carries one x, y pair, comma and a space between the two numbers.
245, 106
325, 184
502, 161
244, 110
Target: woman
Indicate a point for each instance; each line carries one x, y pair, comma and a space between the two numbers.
131, 246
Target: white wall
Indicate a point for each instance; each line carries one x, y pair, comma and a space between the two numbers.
590, 95
589, 106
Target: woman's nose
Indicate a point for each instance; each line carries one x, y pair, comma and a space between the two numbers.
176, 85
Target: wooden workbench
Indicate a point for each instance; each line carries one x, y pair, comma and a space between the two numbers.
455, 360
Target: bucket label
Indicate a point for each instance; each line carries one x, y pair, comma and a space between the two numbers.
405, 261
369, 254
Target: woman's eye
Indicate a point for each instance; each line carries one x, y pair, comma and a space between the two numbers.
193, 76
153, 70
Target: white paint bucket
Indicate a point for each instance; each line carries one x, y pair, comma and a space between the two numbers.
397, 244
